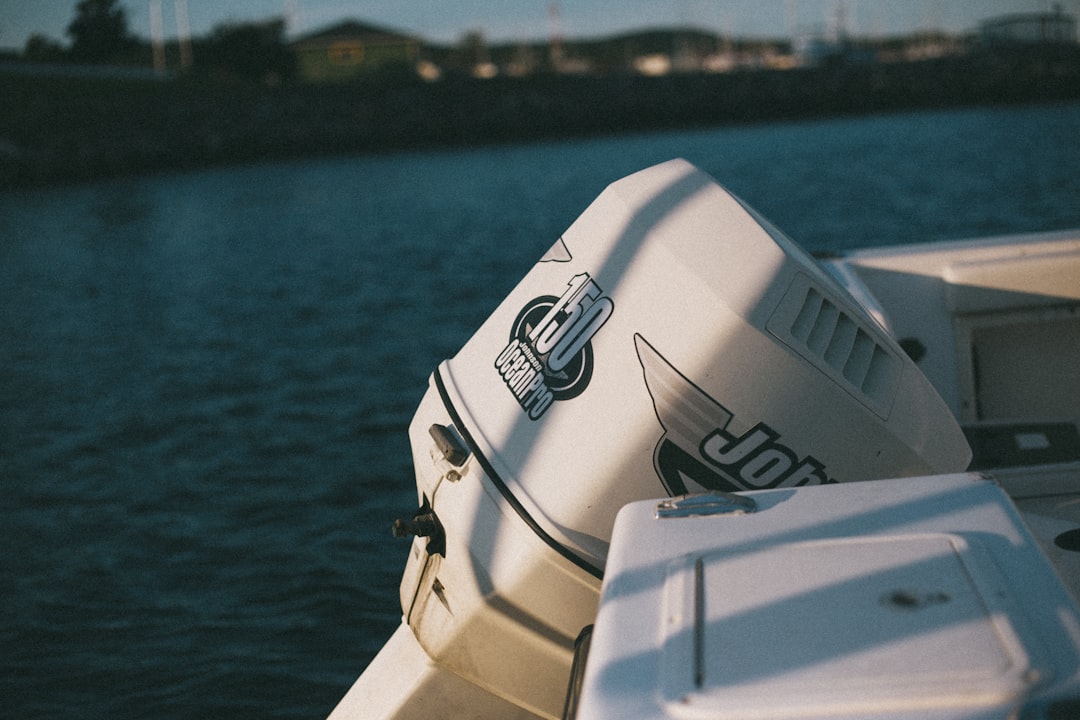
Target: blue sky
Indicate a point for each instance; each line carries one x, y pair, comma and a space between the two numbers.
499, 20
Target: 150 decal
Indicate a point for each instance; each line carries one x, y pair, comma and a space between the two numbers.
549, 356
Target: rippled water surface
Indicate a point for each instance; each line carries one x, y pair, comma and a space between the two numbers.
205, 379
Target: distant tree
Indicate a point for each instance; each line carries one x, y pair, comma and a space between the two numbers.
253, 51
99, 32
40, 48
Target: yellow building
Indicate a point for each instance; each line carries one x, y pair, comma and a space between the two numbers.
352, 50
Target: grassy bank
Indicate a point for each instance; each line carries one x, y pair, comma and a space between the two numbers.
57, 129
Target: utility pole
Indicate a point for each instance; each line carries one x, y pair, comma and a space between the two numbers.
157, 36
555, 50
183, 32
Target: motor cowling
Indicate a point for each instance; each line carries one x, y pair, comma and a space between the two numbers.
672, 340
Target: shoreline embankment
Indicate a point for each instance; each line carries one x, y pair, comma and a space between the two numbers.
60, 129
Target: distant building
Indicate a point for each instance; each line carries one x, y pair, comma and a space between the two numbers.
352, 50
1030, 29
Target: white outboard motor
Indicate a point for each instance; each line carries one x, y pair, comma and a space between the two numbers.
671, 341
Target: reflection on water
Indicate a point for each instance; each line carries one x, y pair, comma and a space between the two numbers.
205, 378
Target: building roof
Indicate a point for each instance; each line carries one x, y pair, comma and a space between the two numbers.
353, 30
1054, 27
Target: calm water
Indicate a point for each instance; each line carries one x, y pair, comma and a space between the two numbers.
205, 379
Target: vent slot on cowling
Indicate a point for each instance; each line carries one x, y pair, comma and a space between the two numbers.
838, 343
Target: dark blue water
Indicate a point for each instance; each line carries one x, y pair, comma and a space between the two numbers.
205, 379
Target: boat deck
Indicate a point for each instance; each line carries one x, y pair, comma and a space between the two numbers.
995, 326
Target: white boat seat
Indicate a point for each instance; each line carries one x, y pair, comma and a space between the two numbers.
1005, 283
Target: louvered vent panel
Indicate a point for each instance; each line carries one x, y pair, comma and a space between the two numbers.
837, 342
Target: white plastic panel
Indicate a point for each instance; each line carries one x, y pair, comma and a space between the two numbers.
841, 626
898, 599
